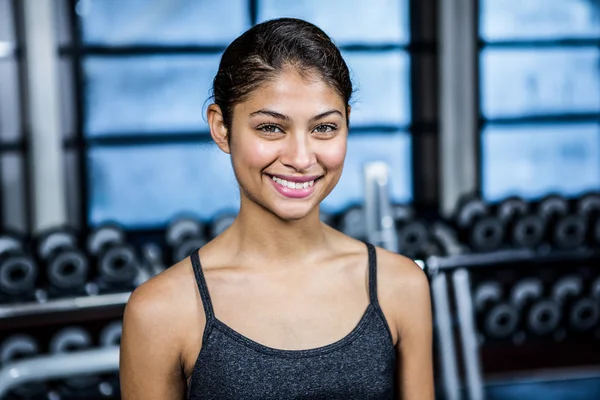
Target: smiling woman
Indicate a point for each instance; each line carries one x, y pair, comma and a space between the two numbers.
282, 306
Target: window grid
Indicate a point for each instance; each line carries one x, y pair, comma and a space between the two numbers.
81, 144
536, 44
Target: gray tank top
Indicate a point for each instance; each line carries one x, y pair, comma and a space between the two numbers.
231, 366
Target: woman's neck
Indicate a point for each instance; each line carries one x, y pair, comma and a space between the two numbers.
257, 234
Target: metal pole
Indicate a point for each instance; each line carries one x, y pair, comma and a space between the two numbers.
470, 347
445, 335
46, 152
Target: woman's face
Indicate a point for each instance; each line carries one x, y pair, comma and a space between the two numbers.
288, 144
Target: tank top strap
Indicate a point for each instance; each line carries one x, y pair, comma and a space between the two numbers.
202, 287
372, 274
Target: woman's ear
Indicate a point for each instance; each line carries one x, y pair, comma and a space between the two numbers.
218, 130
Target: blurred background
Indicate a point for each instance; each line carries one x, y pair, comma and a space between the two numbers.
474, 149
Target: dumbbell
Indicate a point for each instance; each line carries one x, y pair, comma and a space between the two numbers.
18, 347
116, 260
496, 317
413, 239
477, 226
443, 240
66, 266
71, 339
564, 230
539, 316
352, 222
18, 270
110, 335
581, 312
220, 223
184, 235
523, 229
589, 207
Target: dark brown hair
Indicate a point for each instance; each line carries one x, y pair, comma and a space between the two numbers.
264, 50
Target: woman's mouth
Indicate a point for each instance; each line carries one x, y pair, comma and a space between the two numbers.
293, 187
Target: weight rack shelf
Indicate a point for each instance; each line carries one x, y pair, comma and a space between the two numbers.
62, 310
473, 260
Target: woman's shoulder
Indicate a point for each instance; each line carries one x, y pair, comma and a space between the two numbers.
163, 301
403, 287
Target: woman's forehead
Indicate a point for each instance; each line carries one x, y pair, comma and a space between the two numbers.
291, 93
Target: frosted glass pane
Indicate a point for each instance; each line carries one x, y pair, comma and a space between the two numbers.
382, 81
145, 186
163, 22
521, 82
148, 94
347, 21
394, 149
539, 19
534, 160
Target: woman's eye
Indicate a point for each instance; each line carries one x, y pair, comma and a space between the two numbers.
269, 128
325, 128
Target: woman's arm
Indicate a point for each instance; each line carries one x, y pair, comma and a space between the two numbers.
405, 300
414, 348
150, 362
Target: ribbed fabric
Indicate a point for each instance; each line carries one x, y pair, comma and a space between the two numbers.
231, 366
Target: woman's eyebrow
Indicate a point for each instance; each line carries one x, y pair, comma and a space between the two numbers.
325, 114
271, 113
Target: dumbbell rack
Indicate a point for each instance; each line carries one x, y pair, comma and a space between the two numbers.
63, 310
460, 319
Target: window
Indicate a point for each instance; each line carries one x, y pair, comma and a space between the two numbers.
13, 154
142, 74
540, 97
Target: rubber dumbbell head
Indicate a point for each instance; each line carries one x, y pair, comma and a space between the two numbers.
118, 265
184, 235
48, 242
68, 270
66, 266
105, 236
71, 339
528, 231
570, 232
18, 271
413, 238
552, 207
589, 207
183, 228
469, 208
110, 335
544, 317
483, 232
524, 229
497, 318
221, 223
584, 314
487, 234
18, 347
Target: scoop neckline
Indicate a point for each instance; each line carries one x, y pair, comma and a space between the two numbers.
315, 351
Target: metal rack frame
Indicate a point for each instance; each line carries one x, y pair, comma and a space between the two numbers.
58, 366
458, 267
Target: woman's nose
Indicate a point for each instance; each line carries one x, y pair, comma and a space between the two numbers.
298, 153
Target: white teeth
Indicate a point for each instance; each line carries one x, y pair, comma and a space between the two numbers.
293, 185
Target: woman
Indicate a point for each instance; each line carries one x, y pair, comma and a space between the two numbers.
281, 306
